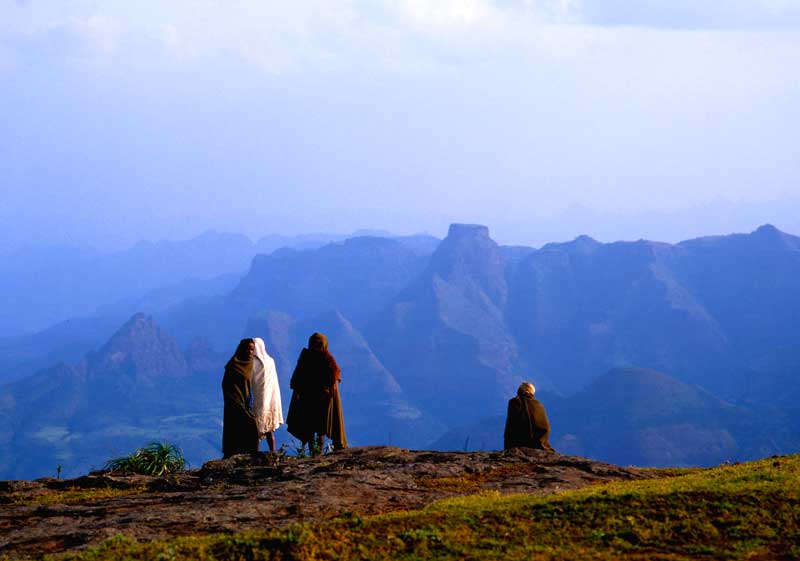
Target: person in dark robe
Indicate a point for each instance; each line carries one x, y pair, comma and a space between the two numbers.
526, 422
239, 432
316, 407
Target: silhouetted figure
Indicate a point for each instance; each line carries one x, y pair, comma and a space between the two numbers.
526, 422
267, 408
316, 407
239, 433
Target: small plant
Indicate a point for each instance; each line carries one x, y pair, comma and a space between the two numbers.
58, 471
279, 456
313, 450
282, 453
299, 449
157, 458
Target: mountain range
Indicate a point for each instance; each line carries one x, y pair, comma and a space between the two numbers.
79, 281
643, 352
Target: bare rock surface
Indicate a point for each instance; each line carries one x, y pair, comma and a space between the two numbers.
264, 491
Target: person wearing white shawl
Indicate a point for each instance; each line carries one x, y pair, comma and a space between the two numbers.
266, 394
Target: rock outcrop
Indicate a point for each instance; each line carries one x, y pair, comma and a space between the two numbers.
266, 491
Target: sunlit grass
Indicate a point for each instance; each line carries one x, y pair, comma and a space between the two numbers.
734, 512
73, 495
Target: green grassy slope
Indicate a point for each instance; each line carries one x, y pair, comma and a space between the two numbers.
747, 511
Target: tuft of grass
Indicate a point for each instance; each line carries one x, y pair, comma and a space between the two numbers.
156, 458
747, 511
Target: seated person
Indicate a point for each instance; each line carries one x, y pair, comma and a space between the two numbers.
526, 422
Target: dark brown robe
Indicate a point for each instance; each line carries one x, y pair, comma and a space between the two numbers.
526, 424
316, 406
239, 432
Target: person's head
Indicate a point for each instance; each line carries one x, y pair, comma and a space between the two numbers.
260, 346
318, 342
526, 389
245, 349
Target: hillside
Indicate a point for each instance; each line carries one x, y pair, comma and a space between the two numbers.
139, 385
387, 503
641, 417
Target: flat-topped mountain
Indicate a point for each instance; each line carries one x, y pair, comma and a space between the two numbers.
445, 336
469, 255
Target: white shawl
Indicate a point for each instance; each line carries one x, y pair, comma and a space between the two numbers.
266, 393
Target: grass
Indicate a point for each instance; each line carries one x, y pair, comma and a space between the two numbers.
470, 482
73, 495
747, 511
157, 458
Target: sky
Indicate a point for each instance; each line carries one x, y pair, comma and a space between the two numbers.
544, 120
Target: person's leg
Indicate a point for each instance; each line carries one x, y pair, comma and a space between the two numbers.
271, 441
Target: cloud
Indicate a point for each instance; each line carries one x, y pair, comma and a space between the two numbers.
353, 36
274, 37
692, 14
374, 37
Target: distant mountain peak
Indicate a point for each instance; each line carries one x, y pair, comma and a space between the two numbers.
767, 229
466, 249
581, 244
770, 232
139, 350
139, 327
585, 244
468, 256
468, 231
139, 320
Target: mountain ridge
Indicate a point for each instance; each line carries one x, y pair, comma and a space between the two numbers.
456, 330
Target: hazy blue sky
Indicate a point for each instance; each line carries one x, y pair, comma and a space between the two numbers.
544, 119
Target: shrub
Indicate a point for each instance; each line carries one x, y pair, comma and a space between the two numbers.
157, 458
